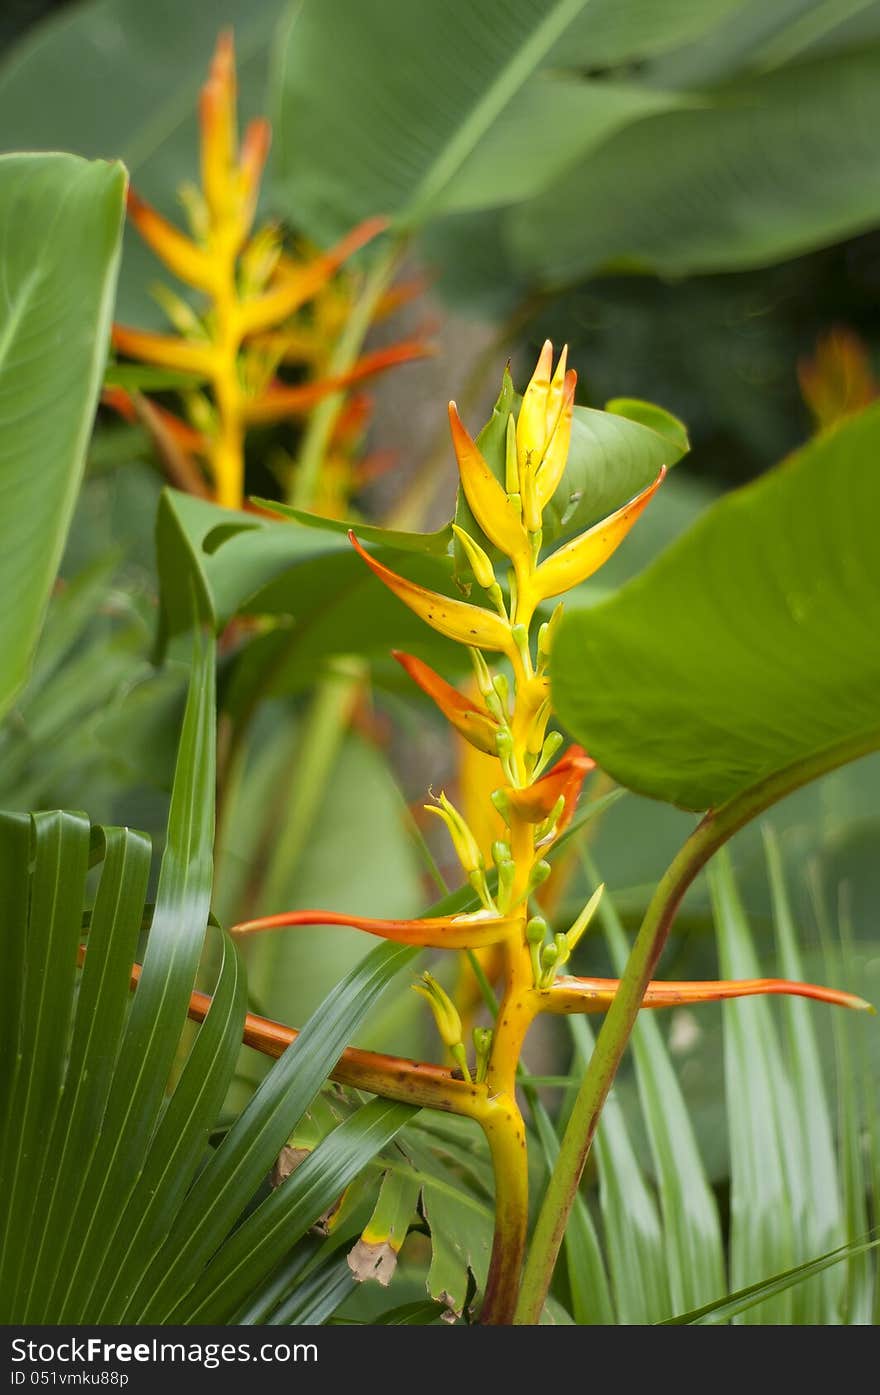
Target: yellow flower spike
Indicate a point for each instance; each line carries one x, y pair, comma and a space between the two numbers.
474, 723
297, 283
489, 504
553, 465
511, 464
252, 162
583, 556
217, 116
187, 261
531, 425
164, 350
467, 624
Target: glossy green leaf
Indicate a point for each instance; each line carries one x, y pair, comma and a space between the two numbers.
393, 147
768, 604
60, 224
763, 169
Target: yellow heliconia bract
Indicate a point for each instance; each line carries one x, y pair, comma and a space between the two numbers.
489, 502
579, 559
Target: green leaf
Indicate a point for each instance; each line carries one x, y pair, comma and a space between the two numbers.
394, 147
762, 169
745, 1298
768, 1185
150, 1043
591, 1303
822, 1222
278, 1222
633, 1233
431, 544
60, 222
477, 110
694, 1252
249, 1149
179, 1143
101, 1010
325, 599
768, 604
60, 865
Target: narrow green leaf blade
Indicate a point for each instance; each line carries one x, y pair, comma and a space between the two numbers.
60, 229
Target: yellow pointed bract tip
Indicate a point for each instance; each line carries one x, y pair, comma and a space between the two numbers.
579, 559
466, 624
487, 498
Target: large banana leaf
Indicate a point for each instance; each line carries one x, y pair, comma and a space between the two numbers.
60, 224
749, 647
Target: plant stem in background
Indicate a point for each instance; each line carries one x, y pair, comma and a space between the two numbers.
316, 438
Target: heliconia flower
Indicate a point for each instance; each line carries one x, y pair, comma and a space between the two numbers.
552, 467
441, 932
488, 500
165, 350
182, 256
298, 282
472, 722
563, 781
235, 345
217, 119
466, 624
279, 400
543, 432
571, 995
577, 560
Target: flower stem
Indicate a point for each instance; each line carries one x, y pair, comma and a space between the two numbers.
323, 419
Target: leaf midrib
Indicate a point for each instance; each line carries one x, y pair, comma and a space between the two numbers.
512, 77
